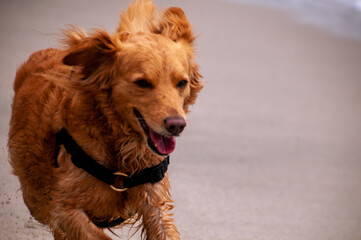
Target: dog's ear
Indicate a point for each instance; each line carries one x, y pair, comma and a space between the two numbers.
175, 25
91, 53
196, 86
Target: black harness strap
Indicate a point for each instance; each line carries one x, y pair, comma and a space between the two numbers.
107, 224
81, 160
148, 175
84, 161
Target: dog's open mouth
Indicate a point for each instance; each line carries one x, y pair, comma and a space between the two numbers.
160, 144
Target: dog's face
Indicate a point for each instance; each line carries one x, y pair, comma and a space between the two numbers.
152, 88
152, 78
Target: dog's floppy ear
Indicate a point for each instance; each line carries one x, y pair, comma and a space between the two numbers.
90, 53
175, 25
196, 86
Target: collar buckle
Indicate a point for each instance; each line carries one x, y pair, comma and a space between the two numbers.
119, 189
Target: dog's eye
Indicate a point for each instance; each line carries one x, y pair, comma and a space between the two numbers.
142, 83
182, 84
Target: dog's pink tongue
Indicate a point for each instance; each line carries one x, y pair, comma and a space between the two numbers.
164, 144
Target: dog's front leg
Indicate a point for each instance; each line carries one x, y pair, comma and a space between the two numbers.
158, 222
74, 224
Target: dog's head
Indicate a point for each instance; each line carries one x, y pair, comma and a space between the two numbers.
147, 68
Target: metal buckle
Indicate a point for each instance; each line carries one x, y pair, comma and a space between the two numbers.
119, 189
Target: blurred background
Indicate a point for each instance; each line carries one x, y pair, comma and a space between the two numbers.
273, 147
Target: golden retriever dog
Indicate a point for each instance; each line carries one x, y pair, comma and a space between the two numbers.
93, 124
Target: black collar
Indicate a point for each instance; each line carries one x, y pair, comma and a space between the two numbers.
82, 160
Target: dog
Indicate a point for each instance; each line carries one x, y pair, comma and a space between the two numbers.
93, 124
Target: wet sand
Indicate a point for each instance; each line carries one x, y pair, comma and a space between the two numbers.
272, 150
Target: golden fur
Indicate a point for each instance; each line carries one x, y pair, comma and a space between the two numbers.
89, 88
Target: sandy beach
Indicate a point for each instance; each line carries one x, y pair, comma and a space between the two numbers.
273, 147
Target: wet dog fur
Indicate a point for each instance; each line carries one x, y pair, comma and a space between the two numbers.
91, 88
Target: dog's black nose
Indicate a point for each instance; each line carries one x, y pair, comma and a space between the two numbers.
175, 125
